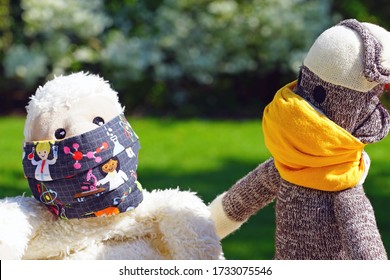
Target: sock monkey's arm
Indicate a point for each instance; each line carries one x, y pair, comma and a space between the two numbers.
257, 189
357, 225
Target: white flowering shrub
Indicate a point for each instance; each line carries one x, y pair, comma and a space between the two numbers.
25, 62
63, 33
164, 52
187, 48
81, 17
203, 38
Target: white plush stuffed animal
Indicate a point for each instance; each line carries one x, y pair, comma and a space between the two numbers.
80, 159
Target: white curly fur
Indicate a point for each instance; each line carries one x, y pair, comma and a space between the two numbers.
65, 92
169, 224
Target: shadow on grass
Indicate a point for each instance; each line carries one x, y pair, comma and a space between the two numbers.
255, 239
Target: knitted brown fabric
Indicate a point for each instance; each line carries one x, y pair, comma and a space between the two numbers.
314, 224
310, 224
357, 226
252, 192
306, 227
360, 113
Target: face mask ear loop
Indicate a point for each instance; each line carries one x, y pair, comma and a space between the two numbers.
373, 69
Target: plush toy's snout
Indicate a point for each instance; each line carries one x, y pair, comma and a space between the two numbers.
374, 127
345, 73
361, 114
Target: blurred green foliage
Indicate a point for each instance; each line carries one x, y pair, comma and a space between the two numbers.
208, 58
188, 57
376, 12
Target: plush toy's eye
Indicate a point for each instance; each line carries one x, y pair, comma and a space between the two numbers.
98, 120
60, 133
319, 94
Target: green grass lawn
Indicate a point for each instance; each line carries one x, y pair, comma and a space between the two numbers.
206, 157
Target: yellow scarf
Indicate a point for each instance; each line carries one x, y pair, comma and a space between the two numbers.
310, 150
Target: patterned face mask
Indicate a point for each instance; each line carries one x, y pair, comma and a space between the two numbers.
88, 175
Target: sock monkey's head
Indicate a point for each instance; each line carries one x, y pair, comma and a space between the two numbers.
344, 75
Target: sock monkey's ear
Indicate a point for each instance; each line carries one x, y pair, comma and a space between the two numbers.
352, 55
376, 47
